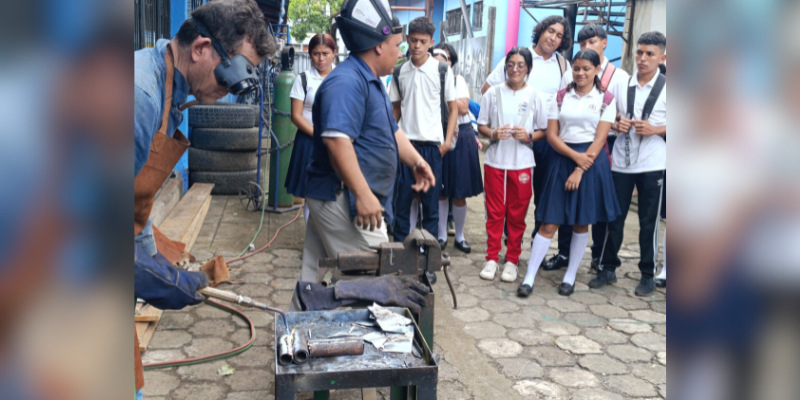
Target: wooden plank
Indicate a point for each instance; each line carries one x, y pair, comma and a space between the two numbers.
177, 225
145, 330
197, 225
149, 314
166, 200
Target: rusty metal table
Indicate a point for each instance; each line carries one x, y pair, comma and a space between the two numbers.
371, 370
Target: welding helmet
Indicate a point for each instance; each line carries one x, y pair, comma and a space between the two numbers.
235, 73
365, 24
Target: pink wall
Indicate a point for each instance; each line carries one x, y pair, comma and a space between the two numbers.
512, 25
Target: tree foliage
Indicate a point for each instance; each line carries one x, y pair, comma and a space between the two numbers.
309, 16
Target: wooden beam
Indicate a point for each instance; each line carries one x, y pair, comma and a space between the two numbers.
180, 223
490, 28
166, 200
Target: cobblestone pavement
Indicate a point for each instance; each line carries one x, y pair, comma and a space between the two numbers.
593, 345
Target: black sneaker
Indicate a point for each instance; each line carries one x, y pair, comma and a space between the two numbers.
603, 278
463, 246
661, 283
566, 289
557, 262
442, 243
646, 287
451, 228
595, 263
524, 290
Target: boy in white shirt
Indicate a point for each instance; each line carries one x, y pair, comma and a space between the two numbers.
417, 96
640, 160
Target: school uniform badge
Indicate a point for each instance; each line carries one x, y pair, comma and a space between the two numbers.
524, 178
593, 107
522, 108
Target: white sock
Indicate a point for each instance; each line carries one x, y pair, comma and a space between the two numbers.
414, 214
460, 218
577, 247
540, 246
305, 211
663, 274
444, 208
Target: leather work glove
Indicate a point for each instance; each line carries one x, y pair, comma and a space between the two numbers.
157, 282
390, 290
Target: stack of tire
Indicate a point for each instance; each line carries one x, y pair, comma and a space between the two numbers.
224, 140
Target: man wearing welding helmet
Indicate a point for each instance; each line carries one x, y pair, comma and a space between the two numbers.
214, 53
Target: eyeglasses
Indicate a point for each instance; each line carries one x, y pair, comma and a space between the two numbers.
521, 67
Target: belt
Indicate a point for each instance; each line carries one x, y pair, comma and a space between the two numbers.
425, 143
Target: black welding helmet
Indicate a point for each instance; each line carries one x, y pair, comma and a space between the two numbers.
365, 24
235, 73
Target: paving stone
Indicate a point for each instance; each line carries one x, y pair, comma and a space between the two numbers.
471, 314
650, 341
608, 311
630, 326
516, 368
476, 281
159, 383
157, 356
282, 298
208, 346
589, 298
175, 320
208, 312
287, 253
578, 345
460, 262
585, 319
631, 386
532, 300
662, 390
264, 336
662, 357
258, 278
628, 353
169, 340
202, 372
258, 395
254, 290
566, 306
558, 328
261, 258
573, 377
499, 306
513, 320
653, 373
595, 394
203, 391
451, 391
287, 263
485, 292
212, 327
542, 390
650, 317
260, 319
464, 300
602, 364
660, 329
447, 371
628, 303
500, 348
606, 336
289, 273
283, 283
530, 337
258, 268
484, 330
260, 379
542, 313
552, 357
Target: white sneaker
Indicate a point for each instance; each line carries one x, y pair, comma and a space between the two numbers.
509, 272
489, 269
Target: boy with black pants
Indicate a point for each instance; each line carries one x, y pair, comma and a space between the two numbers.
639, 160
417, 93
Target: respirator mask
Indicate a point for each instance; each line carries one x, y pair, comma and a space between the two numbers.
234, 73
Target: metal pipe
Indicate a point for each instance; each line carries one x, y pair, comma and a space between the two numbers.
335, 347
285, 356
299, 348
232, 297
400, 8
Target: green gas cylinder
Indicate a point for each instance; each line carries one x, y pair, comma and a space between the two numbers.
284, 132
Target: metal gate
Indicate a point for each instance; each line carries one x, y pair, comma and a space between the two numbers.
151, 18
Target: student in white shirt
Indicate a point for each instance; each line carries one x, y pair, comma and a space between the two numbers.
578, 190
461, 168
640, 160
416, 95
322, 49
512, 115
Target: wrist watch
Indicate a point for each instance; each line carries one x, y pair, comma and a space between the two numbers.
530, 137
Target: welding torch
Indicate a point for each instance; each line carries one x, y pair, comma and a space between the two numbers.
242, 301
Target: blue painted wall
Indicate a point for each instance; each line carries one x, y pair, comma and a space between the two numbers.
178, 14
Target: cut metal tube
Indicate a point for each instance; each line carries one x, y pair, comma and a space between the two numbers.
285, 355
337, 347
299, 348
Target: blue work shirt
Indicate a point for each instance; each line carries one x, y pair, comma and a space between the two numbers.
352, 100
149, 77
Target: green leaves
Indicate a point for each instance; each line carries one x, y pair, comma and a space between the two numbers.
311, 16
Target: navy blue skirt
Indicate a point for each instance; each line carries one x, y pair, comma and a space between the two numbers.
461, 167
594, 201
301, 157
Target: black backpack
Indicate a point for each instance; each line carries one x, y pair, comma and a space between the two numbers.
445, 110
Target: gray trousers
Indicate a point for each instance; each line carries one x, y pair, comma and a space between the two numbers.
330, 231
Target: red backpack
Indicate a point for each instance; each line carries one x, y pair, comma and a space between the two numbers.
608, 97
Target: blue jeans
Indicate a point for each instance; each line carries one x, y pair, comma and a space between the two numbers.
146, 240
139, 395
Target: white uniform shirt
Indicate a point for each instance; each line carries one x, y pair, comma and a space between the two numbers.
462, 92
579, 117
545, 75
512, 154
313, 81
647, 153
618, 85
420, 103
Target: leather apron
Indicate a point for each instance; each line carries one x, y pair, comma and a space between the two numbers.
165, 152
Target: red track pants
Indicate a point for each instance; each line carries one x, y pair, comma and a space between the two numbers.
507, 197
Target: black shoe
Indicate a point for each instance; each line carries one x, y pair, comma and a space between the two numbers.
524, 290
557, 262
603, 278
442, 244
451, 228
463, 246
646, 287
431, 277
662, 283
566, 289
595, 263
